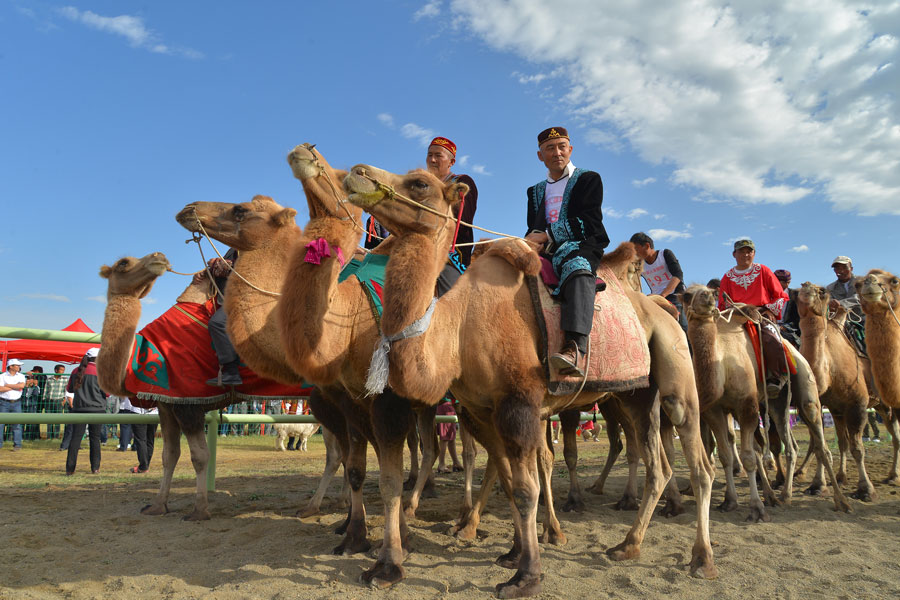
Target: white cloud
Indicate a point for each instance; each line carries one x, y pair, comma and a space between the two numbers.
639, 183
524, 79
661, 235
760, 102
800, 248
149, 300
127, 26
731, 241
634, 213
411, 131
612, 213
100, 299
659, 216
463, 160
386, 119
480, 170
430, 10
53, 297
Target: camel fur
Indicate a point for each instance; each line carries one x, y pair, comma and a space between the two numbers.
501, 385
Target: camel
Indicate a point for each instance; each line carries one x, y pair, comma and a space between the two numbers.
842, 376
726, 371
879, 298
501, 385
130, 279
263, 232
328, 330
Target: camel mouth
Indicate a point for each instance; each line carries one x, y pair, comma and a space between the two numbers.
361, 191
187, 218
303, 162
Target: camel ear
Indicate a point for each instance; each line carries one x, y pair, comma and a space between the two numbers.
285, 217
105, 271
453, 193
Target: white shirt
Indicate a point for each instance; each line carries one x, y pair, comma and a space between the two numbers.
657, 274
7, 378
553, 195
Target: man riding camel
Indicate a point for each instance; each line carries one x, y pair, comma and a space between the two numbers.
565, 217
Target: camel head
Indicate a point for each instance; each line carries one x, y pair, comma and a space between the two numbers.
131, 276
244, 226
321, 183
812, 299
699, 301
878, 291
397, 200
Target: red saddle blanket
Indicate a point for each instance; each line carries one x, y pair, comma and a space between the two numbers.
619, 357
173, 357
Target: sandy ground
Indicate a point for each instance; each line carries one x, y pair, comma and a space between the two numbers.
83, 537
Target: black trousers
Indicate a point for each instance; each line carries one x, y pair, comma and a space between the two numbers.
224, 349
75, 442
448, 276
144, 439
577, 304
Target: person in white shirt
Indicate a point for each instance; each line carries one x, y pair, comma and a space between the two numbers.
12, 382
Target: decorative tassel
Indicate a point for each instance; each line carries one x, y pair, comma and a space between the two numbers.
379, 367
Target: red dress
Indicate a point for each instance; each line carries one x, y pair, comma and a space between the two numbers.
446, 431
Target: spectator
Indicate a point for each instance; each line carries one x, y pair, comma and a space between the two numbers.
842, 290
662, 272
790, 320
12, 382
126, 430
714, 284
53, 396
447, 438
144, 440
89, 398
67, 431
31, 401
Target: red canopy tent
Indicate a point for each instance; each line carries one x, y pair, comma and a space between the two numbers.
68, 352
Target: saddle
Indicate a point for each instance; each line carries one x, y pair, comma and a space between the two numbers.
619, 358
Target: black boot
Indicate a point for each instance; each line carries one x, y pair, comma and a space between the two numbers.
229, 375
290, 444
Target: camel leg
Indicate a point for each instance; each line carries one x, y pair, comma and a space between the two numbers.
412, 442
629, 501
749, 421
332, 462
469, 452
391, 426
892, 424
855, 423
843, 438
807, 395
196, 440
568, 421
467, 526
425, 481
517, 418
673, 506
171, 433
720, 425
613, 434
552, 533
781, 416
800, 472
684, 413
644, 408
354, 530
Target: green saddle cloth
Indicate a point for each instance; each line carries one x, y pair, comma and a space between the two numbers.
370, 273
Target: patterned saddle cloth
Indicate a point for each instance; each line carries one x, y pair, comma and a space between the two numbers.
370, 274
173, 357
619, 357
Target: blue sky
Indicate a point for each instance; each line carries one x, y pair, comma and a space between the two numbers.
707, 121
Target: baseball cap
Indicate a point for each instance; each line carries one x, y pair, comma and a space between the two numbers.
14, 361
744, 243
92, 352
841, 260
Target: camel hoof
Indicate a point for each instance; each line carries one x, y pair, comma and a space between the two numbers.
779, 481
597, 491
863, 495
410, 513
519, 587
153, 510
464, 532
727, 506
409, 484
626, 503
892, 480
309, 511
814, 490
429, 491
623, 551
703, 567
842, 505
197, 515
573, 504
671, 509
348, 547
687, 491
758, 515
772, 501
554, 536
383, 575
510, 560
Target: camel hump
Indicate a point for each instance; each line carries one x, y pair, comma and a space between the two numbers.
665, 305
516, 252
619, 260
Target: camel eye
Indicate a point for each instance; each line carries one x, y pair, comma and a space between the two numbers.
418, 184
239, 212
895, 282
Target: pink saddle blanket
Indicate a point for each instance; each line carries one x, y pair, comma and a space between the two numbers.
619, 358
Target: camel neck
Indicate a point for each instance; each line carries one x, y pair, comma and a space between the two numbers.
410, 278
119, 326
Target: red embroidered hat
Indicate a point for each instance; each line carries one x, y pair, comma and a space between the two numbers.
444, 143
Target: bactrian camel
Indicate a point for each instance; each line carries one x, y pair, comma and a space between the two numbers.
482, 343
727, 381
842, 376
